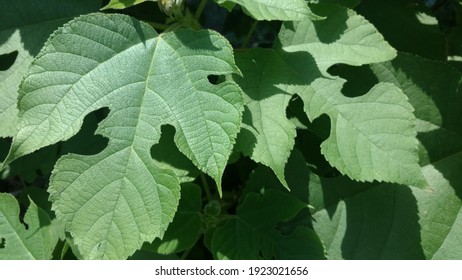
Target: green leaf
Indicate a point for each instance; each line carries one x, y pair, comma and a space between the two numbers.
362, 142
359, 221
253, 232
440, 133
184, 230
373, 137
377, 221
267, 136
114, 201
24, 27
274, 9
343, 37
33, 241
123, 4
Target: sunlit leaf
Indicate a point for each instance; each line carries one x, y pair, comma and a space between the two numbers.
113, 201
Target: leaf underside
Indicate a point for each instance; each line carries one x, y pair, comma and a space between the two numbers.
113, 201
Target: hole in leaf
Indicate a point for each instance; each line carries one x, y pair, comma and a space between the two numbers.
359, 79
2, 243
321, 126
7, 60
85, 142
309, 141
296, 112
167, 155
35, 168
214, 79
5, 144
22, 212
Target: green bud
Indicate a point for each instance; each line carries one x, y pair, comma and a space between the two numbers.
170, 7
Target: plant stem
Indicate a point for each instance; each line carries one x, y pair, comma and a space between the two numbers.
158, 26
200, 9
206, 187
185, 253
64, 249
249, 34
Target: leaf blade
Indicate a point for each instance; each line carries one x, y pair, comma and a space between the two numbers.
146, 80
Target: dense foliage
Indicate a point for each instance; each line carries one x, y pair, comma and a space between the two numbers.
230, 129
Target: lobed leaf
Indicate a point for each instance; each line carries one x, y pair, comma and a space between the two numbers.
372, 137
114, 201
362, 142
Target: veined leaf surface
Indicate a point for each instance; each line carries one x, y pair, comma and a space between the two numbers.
364, 130
115, 200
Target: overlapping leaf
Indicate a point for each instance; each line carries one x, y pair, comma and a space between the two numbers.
270, 223
363, 140
185, 228
253, 233
114, 201
24, 27
440, 133
33, 241
376, 221
421, 35
274, 9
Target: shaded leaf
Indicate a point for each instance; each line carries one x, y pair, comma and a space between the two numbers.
34, 240
359, 221
253, 233
421, 35
440, 133
123, 4
184, 230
